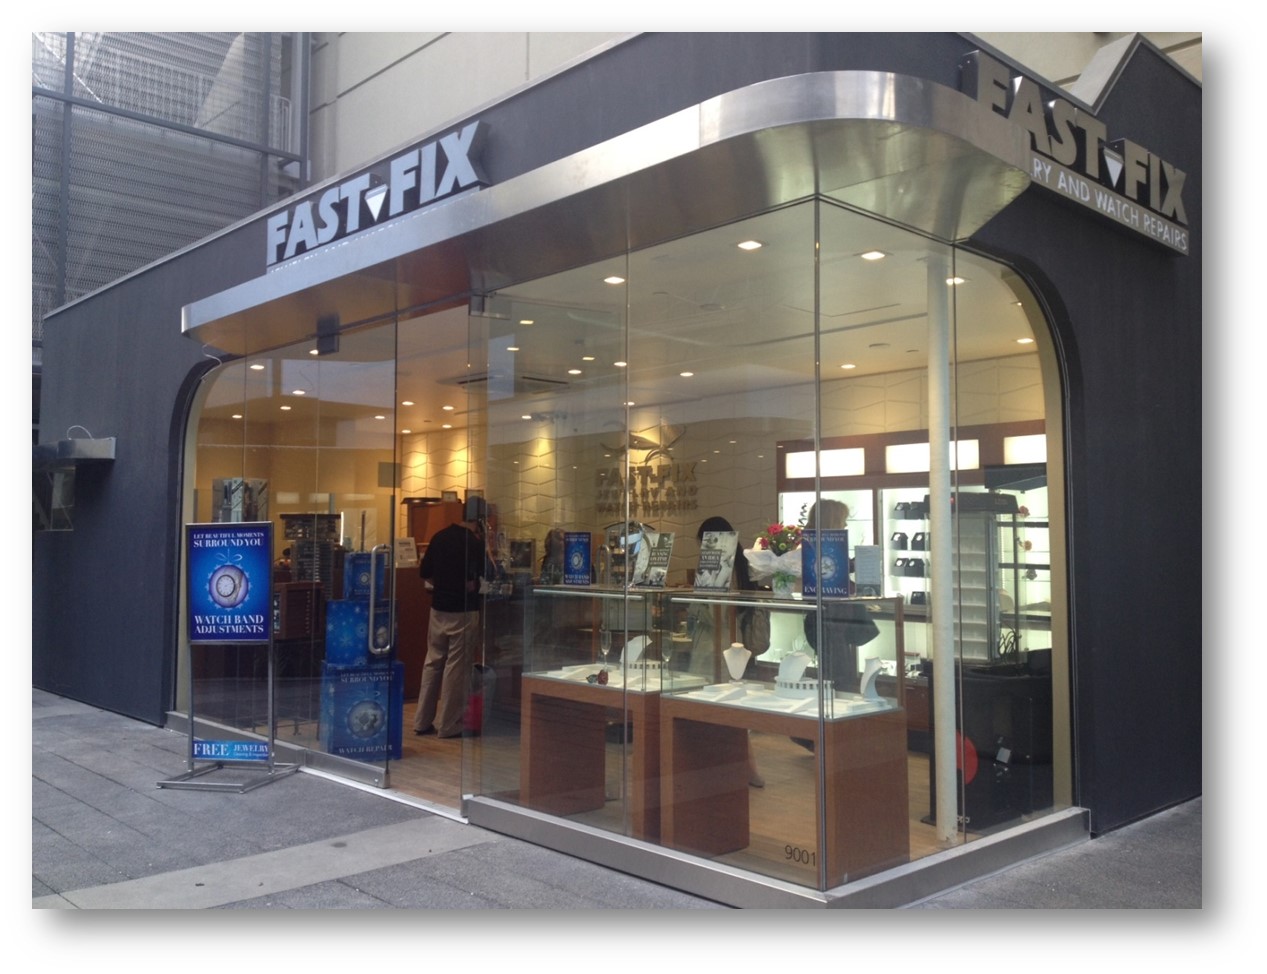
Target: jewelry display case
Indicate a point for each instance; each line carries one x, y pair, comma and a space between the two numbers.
629, 730
859, 802
586, 679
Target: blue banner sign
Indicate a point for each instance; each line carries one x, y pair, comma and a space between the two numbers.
230, 582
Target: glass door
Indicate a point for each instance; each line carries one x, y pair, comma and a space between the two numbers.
304, 437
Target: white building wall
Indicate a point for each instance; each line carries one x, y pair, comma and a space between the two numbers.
374, 92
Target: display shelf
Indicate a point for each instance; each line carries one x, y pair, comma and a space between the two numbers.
1024, 574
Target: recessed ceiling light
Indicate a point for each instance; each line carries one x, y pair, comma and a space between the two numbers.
446, 426
620, 365
406, 431
952, 281
313, 351
849, 365
686, 375
237, 415
512, 348
526, 321
1025, 341
447, 409
285, 409
749, 245
299, 392
587, 358
613, 280
574, 371
406, 402
874, 255
631, 403
380, 416
526, 416
257, 366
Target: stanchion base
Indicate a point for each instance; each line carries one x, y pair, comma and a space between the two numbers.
190, 779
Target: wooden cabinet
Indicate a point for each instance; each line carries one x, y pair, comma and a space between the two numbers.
426, 517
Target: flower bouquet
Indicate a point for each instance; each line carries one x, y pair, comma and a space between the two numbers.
776, 555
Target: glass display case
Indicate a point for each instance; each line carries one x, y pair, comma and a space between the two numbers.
589, 707
1024, 546
677, 735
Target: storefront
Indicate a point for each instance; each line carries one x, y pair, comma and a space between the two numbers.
870, 284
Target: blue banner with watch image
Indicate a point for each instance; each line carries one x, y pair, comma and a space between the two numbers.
230, 574
828, 548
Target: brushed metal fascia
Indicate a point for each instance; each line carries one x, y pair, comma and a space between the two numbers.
907, 150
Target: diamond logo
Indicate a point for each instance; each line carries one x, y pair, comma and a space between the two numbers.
374, 199
1114, 163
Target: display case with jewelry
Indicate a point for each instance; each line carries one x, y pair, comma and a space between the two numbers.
742, 740
589, 708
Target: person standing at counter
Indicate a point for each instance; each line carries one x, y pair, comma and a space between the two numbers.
846, 625
705, 641
455, 563
552, 560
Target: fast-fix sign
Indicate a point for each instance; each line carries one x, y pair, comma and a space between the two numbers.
416, 177
1071, 154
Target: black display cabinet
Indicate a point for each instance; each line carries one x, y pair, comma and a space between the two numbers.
1004, 714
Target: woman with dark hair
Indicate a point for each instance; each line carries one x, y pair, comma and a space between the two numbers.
742, 578
704, 643
552, 557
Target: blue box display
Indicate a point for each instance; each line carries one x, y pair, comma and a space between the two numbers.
356, 575
362, 710
347, 631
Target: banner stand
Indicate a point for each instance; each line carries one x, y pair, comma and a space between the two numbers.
229, 569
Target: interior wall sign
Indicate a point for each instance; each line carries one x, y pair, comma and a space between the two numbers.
1071, 154
423, 174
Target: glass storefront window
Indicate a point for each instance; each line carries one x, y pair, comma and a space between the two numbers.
637, 421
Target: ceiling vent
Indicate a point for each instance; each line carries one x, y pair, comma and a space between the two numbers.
503, 383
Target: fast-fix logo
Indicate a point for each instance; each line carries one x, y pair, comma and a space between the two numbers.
413, 179
1072, 155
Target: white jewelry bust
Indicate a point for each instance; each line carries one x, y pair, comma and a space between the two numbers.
736, 660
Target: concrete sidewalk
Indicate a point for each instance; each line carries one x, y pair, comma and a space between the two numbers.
105, 836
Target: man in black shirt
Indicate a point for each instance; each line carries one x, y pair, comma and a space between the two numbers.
453, 565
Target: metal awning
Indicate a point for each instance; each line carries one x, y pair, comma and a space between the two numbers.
905, 149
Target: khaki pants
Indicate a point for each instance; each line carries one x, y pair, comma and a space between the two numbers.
446, 674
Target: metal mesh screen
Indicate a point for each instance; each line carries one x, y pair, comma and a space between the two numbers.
136, 178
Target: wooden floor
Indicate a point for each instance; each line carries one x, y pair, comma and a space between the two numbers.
782, 816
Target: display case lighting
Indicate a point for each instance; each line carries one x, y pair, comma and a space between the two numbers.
914, 457
1025, 449
850, 462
